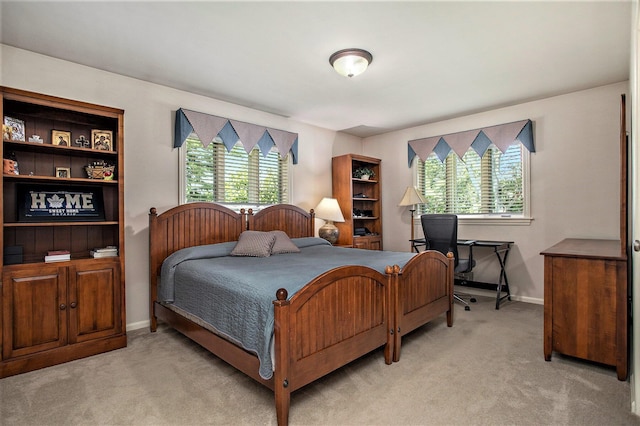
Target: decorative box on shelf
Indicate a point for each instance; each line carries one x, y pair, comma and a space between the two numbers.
100, 171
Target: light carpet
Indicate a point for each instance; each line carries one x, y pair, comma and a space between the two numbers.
488, 369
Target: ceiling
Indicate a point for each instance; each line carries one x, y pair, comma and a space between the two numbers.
431, 60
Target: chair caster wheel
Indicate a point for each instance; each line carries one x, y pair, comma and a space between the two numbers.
466, 308
472, 300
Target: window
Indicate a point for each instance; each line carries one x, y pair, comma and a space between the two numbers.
235, 179
494, 185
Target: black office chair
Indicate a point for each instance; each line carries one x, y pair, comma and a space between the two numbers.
441, 234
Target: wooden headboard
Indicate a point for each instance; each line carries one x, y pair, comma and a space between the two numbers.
293, 220
195, 224
188, 225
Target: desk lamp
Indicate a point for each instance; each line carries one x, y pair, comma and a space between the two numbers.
329, 210
411, 198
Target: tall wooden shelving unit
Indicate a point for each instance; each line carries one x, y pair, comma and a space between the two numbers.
56, 312
359, 201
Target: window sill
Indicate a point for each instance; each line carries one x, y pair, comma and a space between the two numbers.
495, 220
489, 220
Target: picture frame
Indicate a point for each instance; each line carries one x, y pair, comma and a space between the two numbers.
102, 140
60, 138
50, 202
13, 129
63, 172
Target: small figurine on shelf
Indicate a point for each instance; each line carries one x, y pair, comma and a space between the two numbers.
108, 175
82, 142
10, 164
8, 167
6, 132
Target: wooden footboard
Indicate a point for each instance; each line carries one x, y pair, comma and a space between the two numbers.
338, 317
424, 291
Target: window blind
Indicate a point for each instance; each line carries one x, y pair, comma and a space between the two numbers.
234, 177
491, 184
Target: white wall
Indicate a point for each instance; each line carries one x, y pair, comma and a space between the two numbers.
151, 164
575, 178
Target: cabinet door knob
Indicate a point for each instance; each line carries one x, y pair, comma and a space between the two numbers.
636, 245
63, 306
72, 304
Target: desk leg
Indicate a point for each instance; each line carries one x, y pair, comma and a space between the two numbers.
503, 277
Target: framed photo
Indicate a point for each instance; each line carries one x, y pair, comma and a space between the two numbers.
102, 140
46, 203
60, 138
13, 129
63, 172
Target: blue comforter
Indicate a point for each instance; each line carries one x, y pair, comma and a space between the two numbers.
235, 294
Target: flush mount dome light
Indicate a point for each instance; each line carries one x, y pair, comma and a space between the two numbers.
350, 62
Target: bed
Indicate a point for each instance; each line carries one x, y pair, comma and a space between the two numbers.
339, 315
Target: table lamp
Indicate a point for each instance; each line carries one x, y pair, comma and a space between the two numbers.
411, 198
329, 210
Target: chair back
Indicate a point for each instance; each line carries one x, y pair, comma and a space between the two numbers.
441, 233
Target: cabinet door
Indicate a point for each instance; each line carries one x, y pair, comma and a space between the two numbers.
368, 243
361, 243
94, 301
34, 310
584, 308
375, 243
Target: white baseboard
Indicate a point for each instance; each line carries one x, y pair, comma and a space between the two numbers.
138, 325
526, 299
492, 293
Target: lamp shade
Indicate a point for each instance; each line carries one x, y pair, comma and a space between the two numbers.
350, 62
411, 197
329, 209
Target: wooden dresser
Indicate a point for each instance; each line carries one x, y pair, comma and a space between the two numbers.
586, 302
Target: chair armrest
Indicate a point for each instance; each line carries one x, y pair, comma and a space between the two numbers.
418, 242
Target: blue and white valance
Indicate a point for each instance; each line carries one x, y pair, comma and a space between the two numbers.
208, 127
502, 136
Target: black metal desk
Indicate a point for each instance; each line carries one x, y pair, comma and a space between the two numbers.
500, 248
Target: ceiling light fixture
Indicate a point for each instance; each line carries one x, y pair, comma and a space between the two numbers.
350, 62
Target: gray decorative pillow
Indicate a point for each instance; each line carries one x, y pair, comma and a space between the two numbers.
254, 244
283, 243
